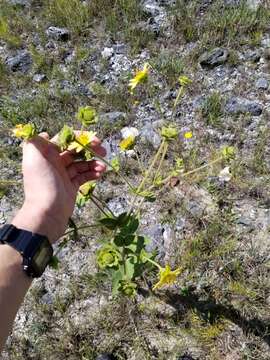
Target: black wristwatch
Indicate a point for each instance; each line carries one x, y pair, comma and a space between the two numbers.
35, 249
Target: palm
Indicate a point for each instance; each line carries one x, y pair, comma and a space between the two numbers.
52, 179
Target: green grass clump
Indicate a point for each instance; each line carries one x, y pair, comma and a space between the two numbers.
122, 20
43, 62
72, 14
241, 289
212, 109
169, 65
3, 71
25, 109
205, 331
119, 18
6, 33
184, 20
225, 25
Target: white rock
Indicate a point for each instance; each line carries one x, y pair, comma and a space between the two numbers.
254, 4
129, 131
225, 174
107, 53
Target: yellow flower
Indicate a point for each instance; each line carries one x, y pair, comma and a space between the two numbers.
188, 135
25, 132
228, 152
83, 139
127, 143
166, 276
184, 80
139, 77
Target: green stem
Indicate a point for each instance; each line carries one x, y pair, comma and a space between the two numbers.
139, 161
183, 175
81, 228
99, 207
189, 172
124, 259
202, 167
86, 147
10, 182
146, 176
180, 93
151, 166
153, 262
104, 204
165, 149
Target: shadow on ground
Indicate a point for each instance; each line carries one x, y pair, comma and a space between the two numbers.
210, 310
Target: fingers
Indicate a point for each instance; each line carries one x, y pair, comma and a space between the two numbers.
43, 140
83, 178
44, 135
99, 150
82, 167
38, 142
67, 158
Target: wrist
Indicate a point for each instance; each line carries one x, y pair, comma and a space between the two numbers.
37, 221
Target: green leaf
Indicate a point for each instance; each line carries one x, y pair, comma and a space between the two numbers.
81, 200
140, 244
115, 164
117, 276
128, 239
119, 240
131, 227
148, 195
65, 137
123, 219
130, 268
109, 223
124, 240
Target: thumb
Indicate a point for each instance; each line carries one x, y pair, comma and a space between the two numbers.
41, 143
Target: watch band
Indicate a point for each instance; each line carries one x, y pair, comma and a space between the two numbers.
28, 244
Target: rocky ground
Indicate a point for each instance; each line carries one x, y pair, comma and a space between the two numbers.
61, 54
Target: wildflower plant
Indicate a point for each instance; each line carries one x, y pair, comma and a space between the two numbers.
123, 255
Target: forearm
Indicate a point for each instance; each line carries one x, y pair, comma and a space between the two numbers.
14, 283
13, 287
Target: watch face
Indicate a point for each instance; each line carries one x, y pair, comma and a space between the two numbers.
42, 257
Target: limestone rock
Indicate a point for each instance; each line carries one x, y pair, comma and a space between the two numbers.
57, 33
38, 78
22, 3
213, 58
150, 136
262, 84
238, 105
21, 62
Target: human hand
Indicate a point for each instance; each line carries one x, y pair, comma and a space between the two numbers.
51, 182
